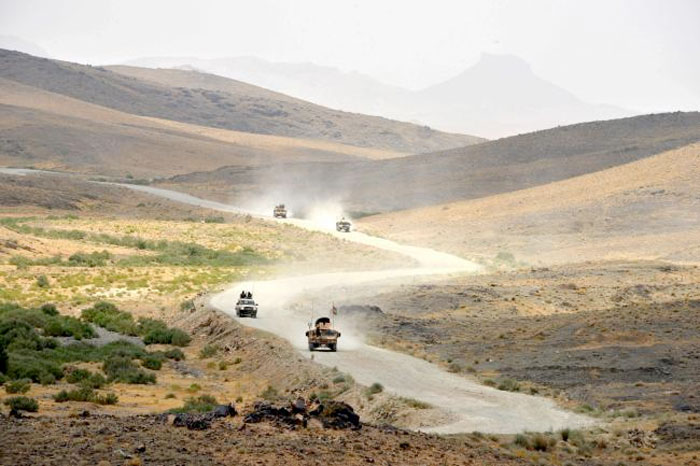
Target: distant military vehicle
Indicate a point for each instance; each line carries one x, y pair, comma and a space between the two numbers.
322, 335
280, 211
343, 225
246, 307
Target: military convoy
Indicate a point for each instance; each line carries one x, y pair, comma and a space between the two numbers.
343, 225
323, 335
280, 211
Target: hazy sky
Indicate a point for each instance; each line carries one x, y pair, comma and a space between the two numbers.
640, 54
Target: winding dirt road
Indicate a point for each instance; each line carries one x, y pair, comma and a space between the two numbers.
470, 405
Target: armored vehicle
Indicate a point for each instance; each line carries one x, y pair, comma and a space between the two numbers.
246, 307
322, 335
280, 211
343, 225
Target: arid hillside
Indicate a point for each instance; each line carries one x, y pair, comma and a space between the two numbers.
248, 109
471, 172
48, 130
649, 209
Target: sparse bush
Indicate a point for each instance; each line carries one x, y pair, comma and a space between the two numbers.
454, 367
375, 388
200, 404
564, 434
509, 385
270, 393
193, 388
541, 442
339, 379
49, 309
522, 441
209, 351
152, 362
47, 379
92, 259
122, 369
85, 394
416, 404
237, 361
107, 315
22, 403
18, 386
169, 396
42, 281
28, 364
175, 354
214, 219
179, 338
223, 365
187, 305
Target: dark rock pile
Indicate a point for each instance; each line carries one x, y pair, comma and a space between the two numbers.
202, 421
331, 414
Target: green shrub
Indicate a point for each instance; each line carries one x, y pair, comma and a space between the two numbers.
223, 365
375, 388
208, 351
194, 388
92, 259
47, 379
152, 362
179, 337
66, 326
85, 394
200, 404
107, 315
522, 441
542, 443
49, 309
42, 281
3, 357
214, 219
122, 369
86, 378
175, 354
32, 365
22, 403
509, 385
18, 386
166, 336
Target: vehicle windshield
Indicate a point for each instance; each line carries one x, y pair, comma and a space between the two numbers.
246, 301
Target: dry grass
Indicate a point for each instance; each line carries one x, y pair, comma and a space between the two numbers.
648, 209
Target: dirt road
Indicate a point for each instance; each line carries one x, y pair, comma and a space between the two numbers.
470, 406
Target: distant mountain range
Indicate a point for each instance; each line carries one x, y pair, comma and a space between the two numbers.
499, 96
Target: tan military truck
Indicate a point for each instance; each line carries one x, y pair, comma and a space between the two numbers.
343, 225
280, 211
322, 335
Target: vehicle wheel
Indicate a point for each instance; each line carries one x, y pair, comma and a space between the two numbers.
332, 347
311, 347
254, 316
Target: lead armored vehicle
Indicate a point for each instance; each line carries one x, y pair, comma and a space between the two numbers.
323, 335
